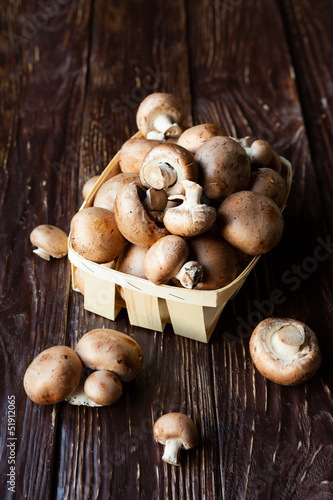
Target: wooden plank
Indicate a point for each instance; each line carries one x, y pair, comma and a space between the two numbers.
137, 48
44, 51
242, 77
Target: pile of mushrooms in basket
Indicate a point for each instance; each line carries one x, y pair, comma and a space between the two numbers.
190, 208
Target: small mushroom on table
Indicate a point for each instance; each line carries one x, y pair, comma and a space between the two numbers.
103, 387
285, 350
53, 375
50, 242
175, 431
160, 116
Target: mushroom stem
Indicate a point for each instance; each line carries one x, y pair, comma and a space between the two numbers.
162, 123
193, 194
44, 255
171, 451
190, 274
287, 341
160, 175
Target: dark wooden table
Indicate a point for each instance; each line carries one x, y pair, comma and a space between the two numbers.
72, 76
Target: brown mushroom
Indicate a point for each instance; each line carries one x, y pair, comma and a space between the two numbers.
95, 235
224, 167
130, 261
285, 351
106, 195
53, 375
132, 219
250, 222
132, 153
88, 185
167, 258
107, 349
175, 431
261, 155
166, 167
270, 183
193, 137
191, 217
79, 279
50, 242
159, 116
103, 387
218, 259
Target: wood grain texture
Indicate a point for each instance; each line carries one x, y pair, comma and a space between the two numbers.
69, 93
42, 92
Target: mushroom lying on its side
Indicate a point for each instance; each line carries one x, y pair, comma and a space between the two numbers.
50, 242
167, 259
133, 220
106, 195
285, 351
175, 431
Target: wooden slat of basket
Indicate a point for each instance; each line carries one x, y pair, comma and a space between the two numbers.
146, 311
100, 297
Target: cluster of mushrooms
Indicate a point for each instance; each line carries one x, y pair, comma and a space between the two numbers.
188, 206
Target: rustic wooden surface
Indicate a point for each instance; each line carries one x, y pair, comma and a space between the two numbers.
72, 77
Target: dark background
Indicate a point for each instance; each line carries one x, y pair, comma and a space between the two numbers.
72, 76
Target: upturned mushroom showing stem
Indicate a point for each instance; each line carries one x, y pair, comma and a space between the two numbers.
159, 116
191, 217
285, 351
166, 166
167, 258
175, 431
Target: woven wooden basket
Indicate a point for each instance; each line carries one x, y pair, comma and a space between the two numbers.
192, 313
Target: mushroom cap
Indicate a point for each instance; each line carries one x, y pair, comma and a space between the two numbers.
51, 239
103, 387
165, 258
106, 195
262, 154
250, 222
218, 259
284, 370
53, 375
132, 153
224, 167
193, 137
176, 426
270, 183
173, 156
130, 261
107, 349
95, 235
158, 103
88, 185
132, 219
